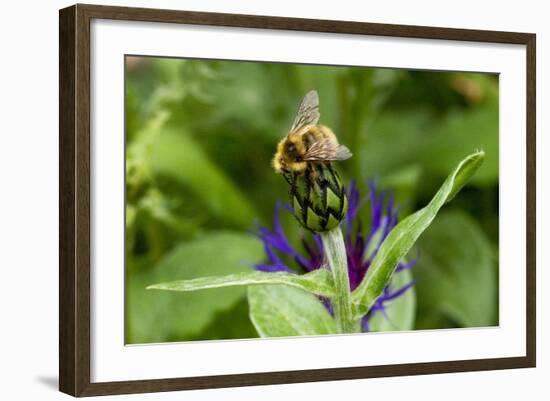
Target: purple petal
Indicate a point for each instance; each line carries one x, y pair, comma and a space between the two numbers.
273, 268
318, 242
274, 240
398, 293
277, 239
272, 256
405, 266
365, 324
353, 204
389, 217
328, 305
315, 255
377, 206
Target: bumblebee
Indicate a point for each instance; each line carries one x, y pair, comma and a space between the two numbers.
307, 142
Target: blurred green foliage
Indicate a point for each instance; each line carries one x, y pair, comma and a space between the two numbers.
200, 136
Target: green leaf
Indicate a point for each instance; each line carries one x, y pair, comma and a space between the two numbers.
403, 236
280, 310
406, 130
427, 132
457, 280
475, 128
229, 324
160, 316
160, 208
176, 155
318, 282
400, 312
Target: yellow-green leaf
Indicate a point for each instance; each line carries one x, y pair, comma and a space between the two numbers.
403, 236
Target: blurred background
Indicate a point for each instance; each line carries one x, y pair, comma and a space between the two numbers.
200, 136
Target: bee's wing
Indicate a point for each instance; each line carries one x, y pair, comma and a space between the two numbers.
327, 150
342, 153
308, 113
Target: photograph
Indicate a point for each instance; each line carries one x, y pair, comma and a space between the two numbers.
271, 200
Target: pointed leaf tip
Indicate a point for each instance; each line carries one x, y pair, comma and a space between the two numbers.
465, 170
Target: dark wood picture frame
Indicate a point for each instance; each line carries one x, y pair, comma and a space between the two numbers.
74, 199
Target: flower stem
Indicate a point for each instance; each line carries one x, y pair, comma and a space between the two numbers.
335, 252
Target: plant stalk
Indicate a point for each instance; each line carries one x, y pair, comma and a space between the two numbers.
335, 253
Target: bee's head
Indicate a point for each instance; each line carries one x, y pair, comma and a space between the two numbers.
293, 146
290, 150
289, 155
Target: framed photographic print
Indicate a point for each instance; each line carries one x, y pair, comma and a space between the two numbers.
250, 200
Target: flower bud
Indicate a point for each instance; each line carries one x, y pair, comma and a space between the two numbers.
317, 197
